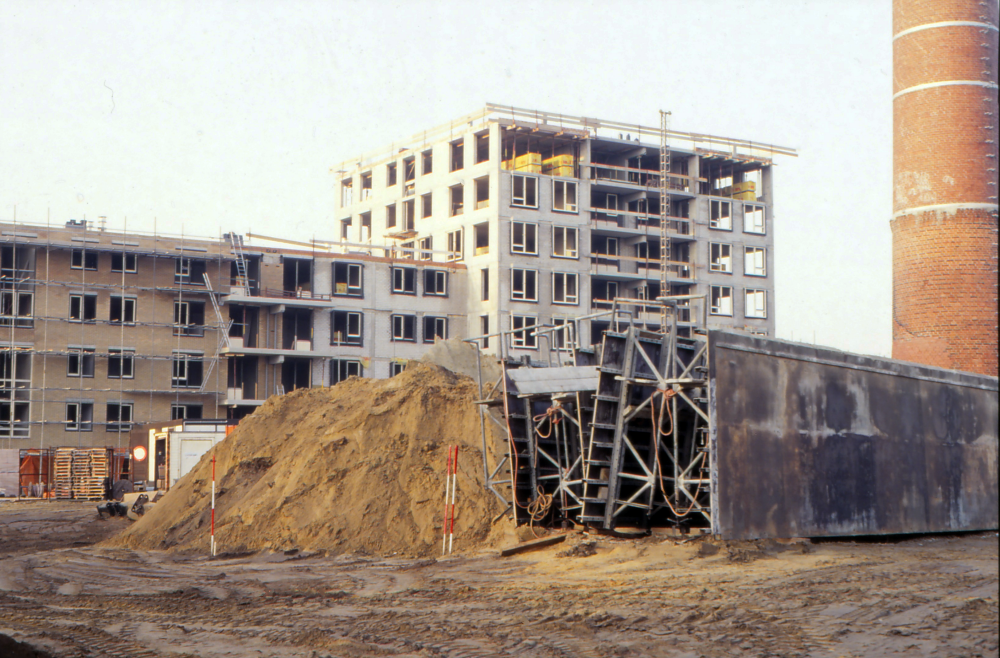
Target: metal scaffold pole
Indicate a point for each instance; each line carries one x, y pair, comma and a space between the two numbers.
664, 211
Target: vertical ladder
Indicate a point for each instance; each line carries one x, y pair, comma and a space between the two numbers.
223, 333
236, 241
664, 212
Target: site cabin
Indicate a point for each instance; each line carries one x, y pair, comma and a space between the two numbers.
163, 453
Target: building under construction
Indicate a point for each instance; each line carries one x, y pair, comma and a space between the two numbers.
103, 330
556, 216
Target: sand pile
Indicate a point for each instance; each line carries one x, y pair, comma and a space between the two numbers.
358, 467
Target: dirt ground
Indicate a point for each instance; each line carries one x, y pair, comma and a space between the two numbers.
589, 596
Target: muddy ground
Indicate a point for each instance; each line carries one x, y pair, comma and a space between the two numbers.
590, 596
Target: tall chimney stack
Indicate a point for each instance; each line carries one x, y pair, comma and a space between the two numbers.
944, 223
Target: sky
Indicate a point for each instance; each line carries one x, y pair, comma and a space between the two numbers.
212, 116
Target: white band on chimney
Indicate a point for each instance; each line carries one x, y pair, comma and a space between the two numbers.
944, 83
931, 26
946, 207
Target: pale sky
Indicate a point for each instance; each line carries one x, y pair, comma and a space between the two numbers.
216, 116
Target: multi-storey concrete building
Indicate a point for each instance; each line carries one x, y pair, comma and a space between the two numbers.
101, 330
555, 218
504, 219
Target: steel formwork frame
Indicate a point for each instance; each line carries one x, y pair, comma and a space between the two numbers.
563, 451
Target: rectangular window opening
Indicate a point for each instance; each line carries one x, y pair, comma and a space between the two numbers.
435, 329
564, 288
564, 196
404, 280
124, 263
523, 285
722, 300
524, 238
564, 242
347, 280
721, 217
404, 328
457, 155
721, 259
525, 192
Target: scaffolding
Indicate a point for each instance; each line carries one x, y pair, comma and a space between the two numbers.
144, 364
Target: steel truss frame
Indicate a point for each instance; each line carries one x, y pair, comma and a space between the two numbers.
644, 461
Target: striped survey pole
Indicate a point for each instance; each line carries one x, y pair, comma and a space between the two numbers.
213, 506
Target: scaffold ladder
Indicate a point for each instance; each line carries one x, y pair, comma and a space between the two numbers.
664, 212
236, 241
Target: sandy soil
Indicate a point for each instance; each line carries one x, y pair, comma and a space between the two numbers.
590, 596
357, 467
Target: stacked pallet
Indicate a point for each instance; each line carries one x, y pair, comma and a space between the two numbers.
63, 473
90, 468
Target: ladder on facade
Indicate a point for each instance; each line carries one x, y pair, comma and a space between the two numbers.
224, 327
664, 212
242, 280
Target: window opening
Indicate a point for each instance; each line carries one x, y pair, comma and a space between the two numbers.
564, 288
346, 328
564, 196
435, 282
122, 310
346, 192
80, 362
119, 415
721, 217
482, 192
524, 238
189, 318
83, 308
522, 325
123, 263
564, 242
404, 280
457, 155
482, 148
435, 328
426, 205
341, 369
347, 279
404, 328
754, 261
187, 370
427, 162
722, 300
457, 199
482, 238
525, 193
455, 245
720, 257
753, 218
79, 416
83, 260
366, 185
121, 363
756, 304
426, 246
524, 285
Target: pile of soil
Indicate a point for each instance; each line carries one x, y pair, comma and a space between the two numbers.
357, 467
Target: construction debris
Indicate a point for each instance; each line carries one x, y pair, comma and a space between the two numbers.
352, 468
533, 544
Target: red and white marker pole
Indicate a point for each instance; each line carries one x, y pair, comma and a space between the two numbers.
213, 506
444, 524
454, 489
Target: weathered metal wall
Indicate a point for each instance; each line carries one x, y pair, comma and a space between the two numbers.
812, 442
